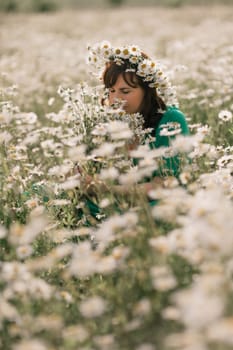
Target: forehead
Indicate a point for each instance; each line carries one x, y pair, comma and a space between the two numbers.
120, 82
126, 80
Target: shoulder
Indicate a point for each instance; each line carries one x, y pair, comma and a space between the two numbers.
174, 116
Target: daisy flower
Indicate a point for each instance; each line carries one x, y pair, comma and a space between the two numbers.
225, 115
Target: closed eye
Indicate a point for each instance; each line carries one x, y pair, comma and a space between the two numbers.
124, 91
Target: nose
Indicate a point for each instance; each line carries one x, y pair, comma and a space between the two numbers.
116, 96
118, 102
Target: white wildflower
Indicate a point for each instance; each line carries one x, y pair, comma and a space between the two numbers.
24, 251
99, 130
31, 139
105, 150
221, 331
131, 177
119, 130
105, 232
32, 203
170, 129
76, 332
104, 342
188, 340
28, 118
77, 153
84, 260
60, 169
93, 307
106, 265
143, 307
104, 203
38, 288
8, 311
225, 160
162, 278
5, 137
146, 346
20, 234
164, 283
51, 101
133, 325
3, 232
109, 174
191, 301
225, 115
160, 244
59, 202
71, 183
12, 271
119, 253
171, 313
31, 344
64, 295
184, 144
203, 130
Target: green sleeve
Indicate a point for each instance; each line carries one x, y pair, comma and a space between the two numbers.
172, 119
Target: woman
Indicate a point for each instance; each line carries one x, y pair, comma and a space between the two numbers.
143, 87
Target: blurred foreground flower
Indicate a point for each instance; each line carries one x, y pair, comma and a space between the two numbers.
93, 307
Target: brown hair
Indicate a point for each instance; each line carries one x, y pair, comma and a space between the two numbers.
152, 104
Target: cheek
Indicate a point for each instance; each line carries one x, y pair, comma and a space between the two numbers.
111, 98
141, 95
141, 98
137, 99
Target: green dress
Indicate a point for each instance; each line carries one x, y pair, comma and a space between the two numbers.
171, 120
171, 166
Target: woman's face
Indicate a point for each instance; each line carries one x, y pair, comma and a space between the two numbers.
131, 96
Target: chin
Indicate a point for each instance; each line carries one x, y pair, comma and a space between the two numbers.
127, 110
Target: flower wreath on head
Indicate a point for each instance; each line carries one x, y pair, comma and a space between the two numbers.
150, 71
